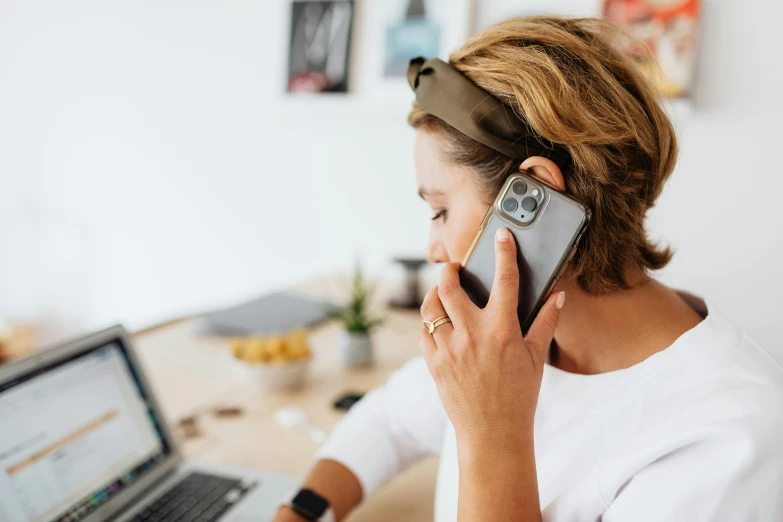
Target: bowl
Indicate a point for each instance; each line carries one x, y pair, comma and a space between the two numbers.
270, 376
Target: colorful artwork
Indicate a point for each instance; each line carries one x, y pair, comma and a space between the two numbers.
320, 46
668, 29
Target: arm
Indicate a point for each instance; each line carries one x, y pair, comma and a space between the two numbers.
386, 431
498, 484
333, 481
488, 376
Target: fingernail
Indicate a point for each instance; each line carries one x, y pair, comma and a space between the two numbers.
503, 234
560, 300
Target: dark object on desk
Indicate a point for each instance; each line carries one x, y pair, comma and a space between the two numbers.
190, 428
410, 297
347, 401
227, 412
274, 313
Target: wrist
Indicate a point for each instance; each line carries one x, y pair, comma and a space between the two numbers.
308, 505
495, 448
286, 514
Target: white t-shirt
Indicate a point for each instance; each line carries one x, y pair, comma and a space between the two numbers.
693, 433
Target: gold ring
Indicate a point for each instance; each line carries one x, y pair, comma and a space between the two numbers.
431, 325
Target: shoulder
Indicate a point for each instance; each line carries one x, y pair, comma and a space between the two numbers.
708, 439
716, 356
728, 361
727, 388
748, 390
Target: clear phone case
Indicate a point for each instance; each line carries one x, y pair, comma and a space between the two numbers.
545, 236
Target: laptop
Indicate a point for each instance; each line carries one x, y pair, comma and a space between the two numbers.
82, 438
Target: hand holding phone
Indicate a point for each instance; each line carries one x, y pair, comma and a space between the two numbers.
546, 226
488, 374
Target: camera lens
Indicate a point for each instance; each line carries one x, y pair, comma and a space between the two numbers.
529, 204
519, 187
510, 205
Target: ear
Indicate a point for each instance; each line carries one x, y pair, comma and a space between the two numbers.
545, 171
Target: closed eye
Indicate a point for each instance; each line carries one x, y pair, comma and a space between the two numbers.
441, 214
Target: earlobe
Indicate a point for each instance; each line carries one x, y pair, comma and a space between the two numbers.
544, 170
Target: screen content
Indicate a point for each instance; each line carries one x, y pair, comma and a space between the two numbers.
74, 435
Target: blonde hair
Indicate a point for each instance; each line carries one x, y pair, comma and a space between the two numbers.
575, 88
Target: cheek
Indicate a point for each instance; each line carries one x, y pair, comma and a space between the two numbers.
461, 234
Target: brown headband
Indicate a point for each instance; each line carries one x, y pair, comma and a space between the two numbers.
447, 94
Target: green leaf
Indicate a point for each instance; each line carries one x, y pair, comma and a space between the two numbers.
354, 315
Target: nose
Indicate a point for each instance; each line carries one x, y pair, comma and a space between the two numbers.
436, 252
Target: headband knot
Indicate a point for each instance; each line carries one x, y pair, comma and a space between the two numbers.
446, 93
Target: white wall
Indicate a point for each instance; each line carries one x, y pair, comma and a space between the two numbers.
149, 164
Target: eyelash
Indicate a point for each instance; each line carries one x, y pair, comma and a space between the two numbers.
440, 214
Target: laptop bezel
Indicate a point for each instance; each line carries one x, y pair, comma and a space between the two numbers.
50, 356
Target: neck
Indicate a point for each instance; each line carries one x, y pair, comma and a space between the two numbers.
598, 334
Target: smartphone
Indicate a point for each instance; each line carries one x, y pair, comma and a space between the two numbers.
546, 226
346, 401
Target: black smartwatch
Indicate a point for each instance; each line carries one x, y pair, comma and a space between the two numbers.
311, 506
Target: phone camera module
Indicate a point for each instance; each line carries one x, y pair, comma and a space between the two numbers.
510, 205
519, 187
529, 204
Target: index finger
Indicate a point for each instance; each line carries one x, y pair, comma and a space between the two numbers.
456, 302
505, 288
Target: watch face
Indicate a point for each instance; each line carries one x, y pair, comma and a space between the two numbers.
309, 504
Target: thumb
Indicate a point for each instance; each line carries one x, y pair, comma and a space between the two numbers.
542, 331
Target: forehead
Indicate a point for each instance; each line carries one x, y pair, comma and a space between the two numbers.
433, 172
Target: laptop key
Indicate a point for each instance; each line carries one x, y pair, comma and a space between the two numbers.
196, 498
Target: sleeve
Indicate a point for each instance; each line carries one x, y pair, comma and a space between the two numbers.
735, 476
390, 428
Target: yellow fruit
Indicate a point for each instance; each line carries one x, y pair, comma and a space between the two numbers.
278, 359
274, 346
298, 336
275, 349
255, 350
238, 348
297, 345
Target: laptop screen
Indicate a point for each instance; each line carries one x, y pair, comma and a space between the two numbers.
73, 436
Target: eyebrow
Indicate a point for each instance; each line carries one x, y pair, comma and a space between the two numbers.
424, 193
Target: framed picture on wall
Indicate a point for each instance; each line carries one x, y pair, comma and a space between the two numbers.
392, 32
415, 34
320, 48
667, 29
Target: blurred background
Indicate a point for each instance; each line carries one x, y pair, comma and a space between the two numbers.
158, 158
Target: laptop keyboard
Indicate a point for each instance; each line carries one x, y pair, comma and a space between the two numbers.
196, 498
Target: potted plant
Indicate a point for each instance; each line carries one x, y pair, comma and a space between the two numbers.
356, 348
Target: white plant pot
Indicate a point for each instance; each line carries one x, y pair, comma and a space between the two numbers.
356, 350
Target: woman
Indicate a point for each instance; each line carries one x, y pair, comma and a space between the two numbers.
625, 401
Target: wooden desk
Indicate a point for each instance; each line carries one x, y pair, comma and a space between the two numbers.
192, 373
